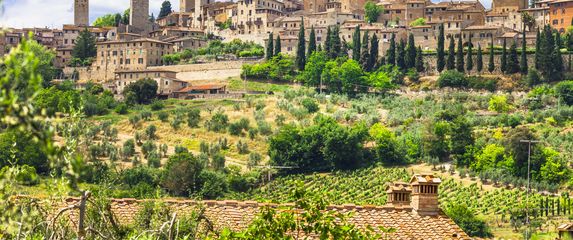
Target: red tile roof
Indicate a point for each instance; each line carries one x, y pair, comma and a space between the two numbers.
238, 215
201, 88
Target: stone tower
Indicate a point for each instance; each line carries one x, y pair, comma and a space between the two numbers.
81, 12
139, 15
186, 5
425, 194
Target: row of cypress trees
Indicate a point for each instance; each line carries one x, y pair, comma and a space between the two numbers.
406, 55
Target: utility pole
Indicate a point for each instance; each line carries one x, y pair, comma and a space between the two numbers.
529, 142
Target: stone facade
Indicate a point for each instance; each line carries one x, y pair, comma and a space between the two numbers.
130, 55
81, 12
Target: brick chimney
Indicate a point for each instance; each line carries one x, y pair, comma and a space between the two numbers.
399, 194
425, 194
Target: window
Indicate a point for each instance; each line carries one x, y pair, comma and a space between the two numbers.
140, 60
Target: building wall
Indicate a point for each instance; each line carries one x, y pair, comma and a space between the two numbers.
505, 6
81, 13
560, 15
131, 55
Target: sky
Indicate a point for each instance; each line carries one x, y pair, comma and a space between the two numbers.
55, 13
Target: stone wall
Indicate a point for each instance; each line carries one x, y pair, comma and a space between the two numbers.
207, 71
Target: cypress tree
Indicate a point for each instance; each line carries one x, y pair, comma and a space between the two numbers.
391, 53
270, 47
400, 52
278, 46
504, 57
479, 59
523, 63
343, 47
460, 55
512, 62
335, 46
546, 52
537, 49
319, 48
470, 61
440, 49
419, 60
491, 64
374, 46
356, 44
557, 62
365, 55
410, 58
311, 42
451, 63
301, 48
327, 41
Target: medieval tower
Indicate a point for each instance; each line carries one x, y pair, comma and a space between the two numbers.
186, 5
139, 15
81, 12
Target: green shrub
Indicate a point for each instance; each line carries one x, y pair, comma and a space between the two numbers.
150, 131
452, 78
564, 91
310, 104
193, 118
145, 115
128, 149
157, 105
498, 103
242, 147
218, 122
27, 176
121, 109
163, 116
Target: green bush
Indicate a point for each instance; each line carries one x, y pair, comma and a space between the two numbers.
163, 116
564, 91
27, 176
157, 105
218, 122
452, 78
310, 104
193, 118
467, 220
121, 109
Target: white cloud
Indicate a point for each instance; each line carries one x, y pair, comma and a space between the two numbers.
55, 13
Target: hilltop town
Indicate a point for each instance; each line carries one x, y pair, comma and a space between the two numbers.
290, 119
197, 23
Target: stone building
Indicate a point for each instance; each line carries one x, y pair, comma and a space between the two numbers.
255, 17
167, 81
81, 12
129, 55
507, 6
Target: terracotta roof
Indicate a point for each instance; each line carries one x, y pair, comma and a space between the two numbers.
200, 88
135, 40
398, 187
237, 216
425, 178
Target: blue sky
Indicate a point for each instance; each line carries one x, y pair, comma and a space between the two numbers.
54, 13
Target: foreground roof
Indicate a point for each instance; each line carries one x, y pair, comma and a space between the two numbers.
237, 216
